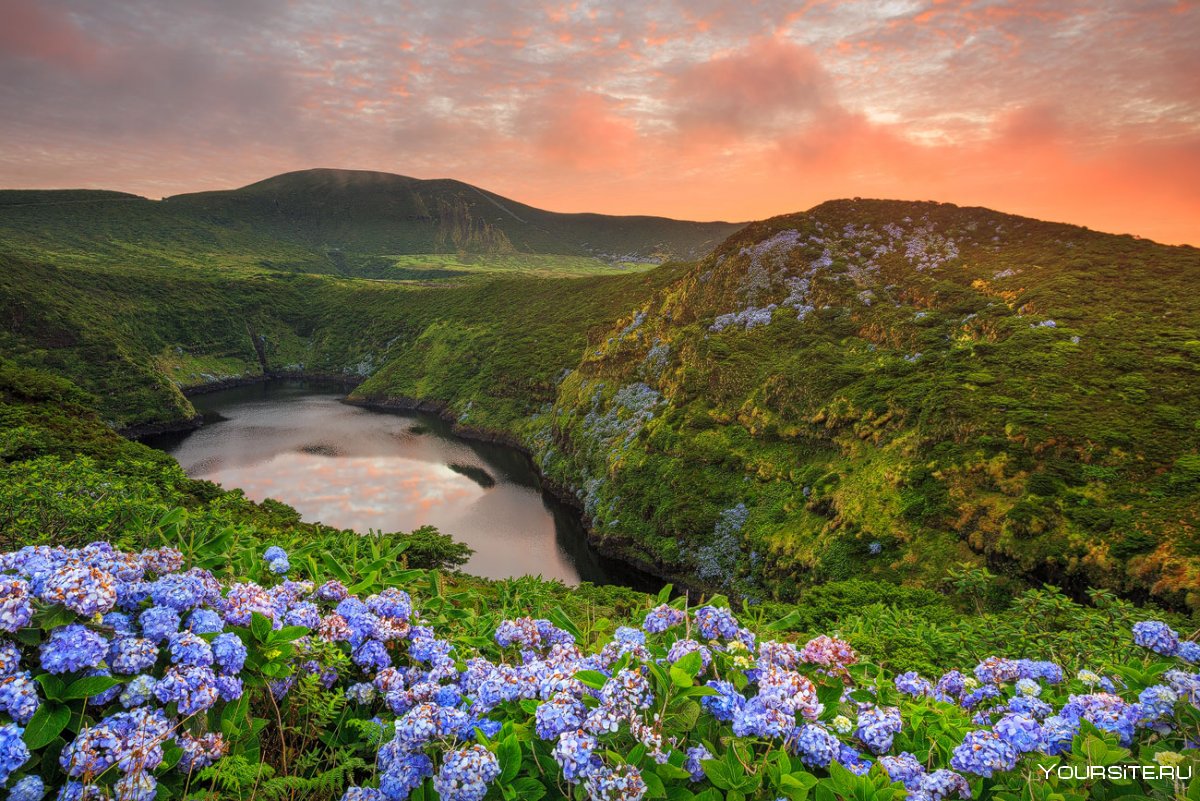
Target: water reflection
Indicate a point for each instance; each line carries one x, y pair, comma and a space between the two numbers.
363, 469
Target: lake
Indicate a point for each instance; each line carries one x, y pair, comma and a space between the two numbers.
365, 469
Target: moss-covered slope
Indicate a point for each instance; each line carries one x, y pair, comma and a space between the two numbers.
890, 389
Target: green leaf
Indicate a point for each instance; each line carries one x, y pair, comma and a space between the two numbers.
681, 678
52, 686
510, 758
260, 626
717, 773
289, 633
89, 686
46, 724
592, 678
664, 594
529, 788
560, 618
654, 786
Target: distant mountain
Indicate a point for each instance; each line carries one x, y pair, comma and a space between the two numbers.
893, 388
382, 213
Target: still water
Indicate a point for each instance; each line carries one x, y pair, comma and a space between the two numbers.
363, 469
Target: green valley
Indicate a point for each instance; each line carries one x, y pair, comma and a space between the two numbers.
904, 391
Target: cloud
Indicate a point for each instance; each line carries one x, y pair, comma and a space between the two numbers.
763, 88
1086, 112
578, 130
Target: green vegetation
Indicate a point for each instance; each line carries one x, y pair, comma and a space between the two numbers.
891, 390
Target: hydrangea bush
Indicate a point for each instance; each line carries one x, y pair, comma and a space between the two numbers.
126, 676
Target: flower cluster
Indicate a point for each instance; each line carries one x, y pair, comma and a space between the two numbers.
163, 650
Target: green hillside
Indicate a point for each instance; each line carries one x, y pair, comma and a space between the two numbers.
892, 389
886, 422
379, 213
870, 388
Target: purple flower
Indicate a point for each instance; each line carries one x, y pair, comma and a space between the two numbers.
1157, 636
19, 697
16, 609
1020, 731
193, 689
561, 713
574, 755
188, 649
904, 768
623, 783
71, 648
983, 753
815, 746
695, 758
662, 618
229, 652
159, 622
466, 774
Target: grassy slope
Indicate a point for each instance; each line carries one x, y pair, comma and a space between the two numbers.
931, 410
350, 211
134, 336
67, 479
1001, 443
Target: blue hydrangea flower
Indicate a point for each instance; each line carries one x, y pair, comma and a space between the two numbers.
205, 621
1105, 711
1158, 701
28, 788
574, 754
229, 653
139, 786
563, 712
815, 745
850, 759
696, 756
1020, 731
138, 692
71, 648
391, 602
85, 590
466, 773
159, 622
756, 719
983, 753
1189, 651
725, 704
716, 623
941, 785
623, 783
404, 774
1033, 670
16, 607
188, 649
877, 726
912, 684
130, 655
372, 655
1057, 735
193, 689
662, 618
904, 768
19, 697
1157, 636
13, 752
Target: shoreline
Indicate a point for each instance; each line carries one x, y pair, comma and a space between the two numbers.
604, 546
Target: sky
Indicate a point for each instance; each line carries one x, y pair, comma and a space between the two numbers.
1081, 112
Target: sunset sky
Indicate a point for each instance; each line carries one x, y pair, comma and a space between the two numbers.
712, 109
